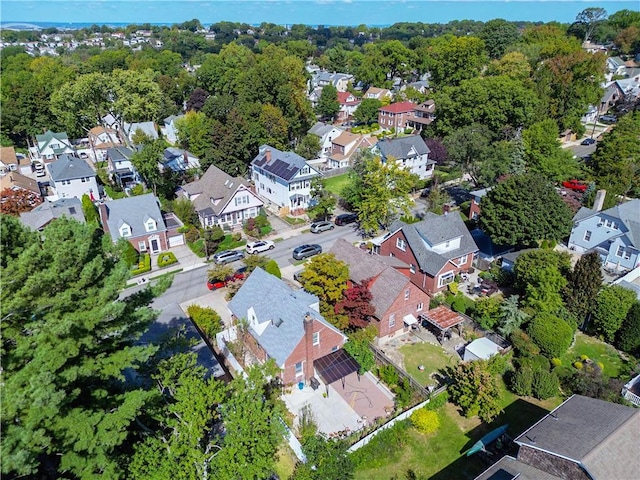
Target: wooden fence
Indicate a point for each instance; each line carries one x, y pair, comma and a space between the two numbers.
381, 358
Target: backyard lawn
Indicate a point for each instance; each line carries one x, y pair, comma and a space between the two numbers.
337, 183
596, 350
432, 357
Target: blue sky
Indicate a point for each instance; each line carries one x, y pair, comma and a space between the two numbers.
327, 12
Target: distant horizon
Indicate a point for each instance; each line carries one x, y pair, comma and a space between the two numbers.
377, 13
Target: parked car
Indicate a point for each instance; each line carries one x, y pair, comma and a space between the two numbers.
306, 251
239, 274
588, 141
425, 193
575, 185
228, 256
260, 246
346, 218
296, 275
317, 227
608, 119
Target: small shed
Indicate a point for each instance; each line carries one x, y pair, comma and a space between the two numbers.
480, 349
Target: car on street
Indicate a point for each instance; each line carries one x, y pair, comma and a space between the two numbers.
346, 218
317, 227
305, 251
259, 246
228, 256
588, 141
239, 274
575, 185
608, 119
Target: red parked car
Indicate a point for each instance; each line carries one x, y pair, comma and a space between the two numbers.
576, 185
239, 274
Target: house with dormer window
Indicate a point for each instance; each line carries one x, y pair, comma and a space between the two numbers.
222, 200
49, 146
283, 179
411, 153
436, 249
140, 221
613, 233
72, 177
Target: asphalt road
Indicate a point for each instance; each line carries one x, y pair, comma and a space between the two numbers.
581, 151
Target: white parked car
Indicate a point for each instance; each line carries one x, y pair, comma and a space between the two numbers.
260, 246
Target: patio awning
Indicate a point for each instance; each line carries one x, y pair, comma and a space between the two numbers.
442, 318
334, 366
410, 320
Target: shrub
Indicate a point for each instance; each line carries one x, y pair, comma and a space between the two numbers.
552, 334
388, 375
498, 364
578, 365
236, 237
600, 366
375, 125
556, 362
138, 189
459, 304
584, 358
522, 381
273, 268
545, 384
453, 288
129, 254
166, 259
438, 401
89, 209
425, 421
192, 235
143, 266
403, 393
523, 344
389, 442
207, 319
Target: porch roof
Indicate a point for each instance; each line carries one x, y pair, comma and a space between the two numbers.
334, 366
442, 318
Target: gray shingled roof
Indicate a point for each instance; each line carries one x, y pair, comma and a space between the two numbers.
401, 147
275, 302
214, 184
629, 214
600, 435
583, 213
118, 154
47, 211
68, 167
134, 211
433, 230
285, 165
389, 283
320, 129
508, 468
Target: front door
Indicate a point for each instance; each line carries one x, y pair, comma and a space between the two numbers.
154, 245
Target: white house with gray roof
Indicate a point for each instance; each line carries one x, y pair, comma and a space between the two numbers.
72, 177
326, 134
50, 145
284, 325
283, 179
178, 160
411, 153
220, 199
613, 233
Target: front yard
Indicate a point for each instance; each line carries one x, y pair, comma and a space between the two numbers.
337, 183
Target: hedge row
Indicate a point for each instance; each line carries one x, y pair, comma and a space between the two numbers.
144, 265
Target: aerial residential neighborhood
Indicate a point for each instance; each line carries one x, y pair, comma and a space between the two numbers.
281, 251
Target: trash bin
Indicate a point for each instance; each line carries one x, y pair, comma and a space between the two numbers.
301, 385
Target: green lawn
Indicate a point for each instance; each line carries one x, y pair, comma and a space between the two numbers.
286, 463
228, 243
596, 350
337, 183
432, 357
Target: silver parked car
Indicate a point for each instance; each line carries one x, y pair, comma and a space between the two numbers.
317, 227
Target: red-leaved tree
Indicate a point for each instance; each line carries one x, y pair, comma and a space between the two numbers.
14, 202
357, 305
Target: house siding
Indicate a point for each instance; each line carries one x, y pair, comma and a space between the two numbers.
76, 188
401, 307
552, 464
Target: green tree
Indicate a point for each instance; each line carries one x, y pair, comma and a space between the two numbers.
89, 209
309, 147
469, 146
185, 211
323, 202
146, 163
543, 154
513, 64
612, 306
327, 459
511, 317
629, 334
194, 132
358, 348
552, 334
454, 59
590, 18
66, 342
367, 111
498, 35
585, 281
273, 268
326, 277
475, 390
540, 274
523, 210
328, 105
487, 312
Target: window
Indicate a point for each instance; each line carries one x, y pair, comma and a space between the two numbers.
125, 231
623, 252
316, 338
463, 259
392, 320
412, 268
84, 179
587, 235
419, 307
334, 349
150, 225
446, 279
298, 369
407, 292
142, 246
401, 244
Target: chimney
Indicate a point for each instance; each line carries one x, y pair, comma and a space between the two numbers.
308, 342
599, 201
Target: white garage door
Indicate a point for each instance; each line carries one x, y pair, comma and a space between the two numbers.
175, 241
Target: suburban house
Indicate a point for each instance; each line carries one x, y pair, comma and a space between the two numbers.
150, 129
17, 181
377, 93
72, 177
102, 139
436, 249
613, 93
582, 439
10, 162
423, 114
322, 78
49, 146
285, 325
46, 212
411, 153
613, 233
121, 168
396, 115
283, 179
220, 199
169, 130
616, 66
476, 198
348, 104
326, 133
178, 160
345, 146
396, 300
139, 220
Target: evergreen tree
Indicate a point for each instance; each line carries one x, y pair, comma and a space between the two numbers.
585, 281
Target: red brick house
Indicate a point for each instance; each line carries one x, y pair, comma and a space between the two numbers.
285, 325
396, 115
396, 300
476, 198
436, 249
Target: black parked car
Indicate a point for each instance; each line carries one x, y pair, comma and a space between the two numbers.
588, 141
306, 251
346, 218
608, 119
